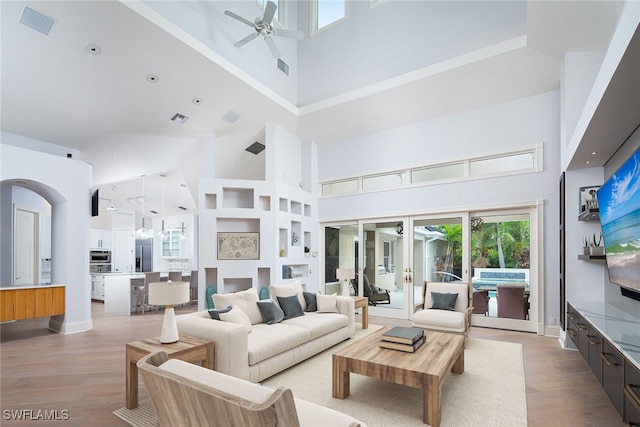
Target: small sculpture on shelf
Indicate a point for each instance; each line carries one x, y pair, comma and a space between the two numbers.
294, 238
307, 251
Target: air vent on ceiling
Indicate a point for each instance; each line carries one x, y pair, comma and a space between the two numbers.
283, 66
182, 208
36, 20
231, 117
179, 118
153, 211
255, 148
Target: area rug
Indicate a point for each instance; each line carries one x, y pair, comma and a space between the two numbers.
490, 392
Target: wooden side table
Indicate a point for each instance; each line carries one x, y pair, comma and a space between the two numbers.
190, 349
363, 303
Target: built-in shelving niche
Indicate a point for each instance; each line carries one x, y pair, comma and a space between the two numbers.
284, 205
295, 271
296, 208
211, 277
264, 277
236, 284
296, 227
238, 225
307, 210
237, 198
283, 242
211, 201
265, 203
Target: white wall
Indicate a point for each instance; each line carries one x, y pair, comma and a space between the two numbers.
66, 185
498, 128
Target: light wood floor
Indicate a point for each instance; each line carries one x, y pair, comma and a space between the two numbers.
84, 373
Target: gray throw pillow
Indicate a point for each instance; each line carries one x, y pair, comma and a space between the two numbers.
215, 313
310, 299
444, 301
270, 311
291, 306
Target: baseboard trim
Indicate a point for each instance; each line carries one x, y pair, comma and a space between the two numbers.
66, 328
552, 331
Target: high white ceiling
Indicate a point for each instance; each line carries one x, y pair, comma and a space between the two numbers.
54, 90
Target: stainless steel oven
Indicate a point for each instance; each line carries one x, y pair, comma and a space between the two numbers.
100, 257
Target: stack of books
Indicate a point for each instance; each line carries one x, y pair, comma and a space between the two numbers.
403, 338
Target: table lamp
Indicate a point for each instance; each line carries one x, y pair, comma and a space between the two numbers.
344, 275
168, 294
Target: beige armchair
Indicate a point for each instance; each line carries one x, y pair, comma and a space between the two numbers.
442, 312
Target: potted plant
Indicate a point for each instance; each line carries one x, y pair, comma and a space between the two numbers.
586, 250
306, 251
596, 249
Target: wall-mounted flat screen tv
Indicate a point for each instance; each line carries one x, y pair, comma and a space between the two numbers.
619, 204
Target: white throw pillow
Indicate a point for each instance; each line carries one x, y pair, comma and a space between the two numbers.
235, 315
245, 300
326, 303
288, 289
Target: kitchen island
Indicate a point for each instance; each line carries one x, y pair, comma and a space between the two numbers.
31, 301
118, 289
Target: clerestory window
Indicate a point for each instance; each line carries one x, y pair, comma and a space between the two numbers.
325, 13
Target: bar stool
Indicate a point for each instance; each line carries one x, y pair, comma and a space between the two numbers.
142, 298
175, 276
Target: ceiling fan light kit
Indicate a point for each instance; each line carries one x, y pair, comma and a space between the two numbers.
264, 27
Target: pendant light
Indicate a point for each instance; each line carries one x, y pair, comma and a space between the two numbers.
143, 233
163, 234
111, 209
183, 233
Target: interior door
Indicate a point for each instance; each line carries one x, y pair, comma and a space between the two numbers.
25, 247
122, 257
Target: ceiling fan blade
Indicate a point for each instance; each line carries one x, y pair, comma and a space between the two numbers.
272, 47
269, 12
292, 34
246, 40
239, 18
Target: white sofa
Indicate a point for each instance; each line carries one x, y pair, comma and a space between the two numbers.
189, 395
268, 349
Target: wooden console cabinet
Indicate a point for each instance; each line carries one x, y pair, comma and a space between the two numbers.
30, 302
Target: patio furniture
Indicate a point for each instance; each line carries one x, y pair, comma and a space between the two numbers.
441, 312
512, 301
481, 302
375, 294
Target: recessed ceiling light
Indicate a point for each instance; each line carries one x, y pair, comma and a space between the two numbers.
231, 117
179, 118
593, 153
152, 78
587, 162
93, 49
197, 100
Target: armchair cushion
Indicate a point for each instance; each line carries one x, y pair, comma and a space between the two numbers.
235, 315
444, 301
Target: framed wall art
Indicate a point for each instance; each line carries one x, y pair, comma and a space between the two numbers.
238, 245
588, 200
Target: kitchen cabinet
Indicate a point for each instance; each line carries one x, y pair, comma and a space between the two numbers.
100, 239
97, 288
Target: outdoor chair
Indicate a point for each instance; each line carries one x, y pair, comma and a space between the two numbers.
512, 301
481, 302
375, 294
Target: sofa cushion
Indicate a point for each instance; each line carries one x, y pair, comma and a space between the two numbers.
269, 340
310, 299
444, 301
271, 312
215, 313
235, 315
445, 320
319, 324
245, 300
288, 289
326, 303
291, 306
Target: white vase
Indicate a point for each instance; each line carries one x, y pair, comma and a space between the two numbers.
586, 250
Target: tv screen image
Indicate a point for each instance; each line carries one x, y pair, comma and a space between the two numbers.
619, 203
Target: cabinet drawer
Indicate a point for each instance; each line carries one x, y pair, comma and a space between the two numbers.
631, 394
572, 330
594, 343
612, 374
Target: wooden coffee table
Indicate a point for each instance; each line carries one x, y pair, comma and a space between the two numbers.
190, 349
427, 368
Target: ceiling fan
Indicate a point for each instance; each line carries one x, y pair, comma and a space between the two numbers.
263, 27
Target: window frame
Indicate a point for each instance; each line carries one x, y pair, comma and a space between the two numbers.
313, 18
